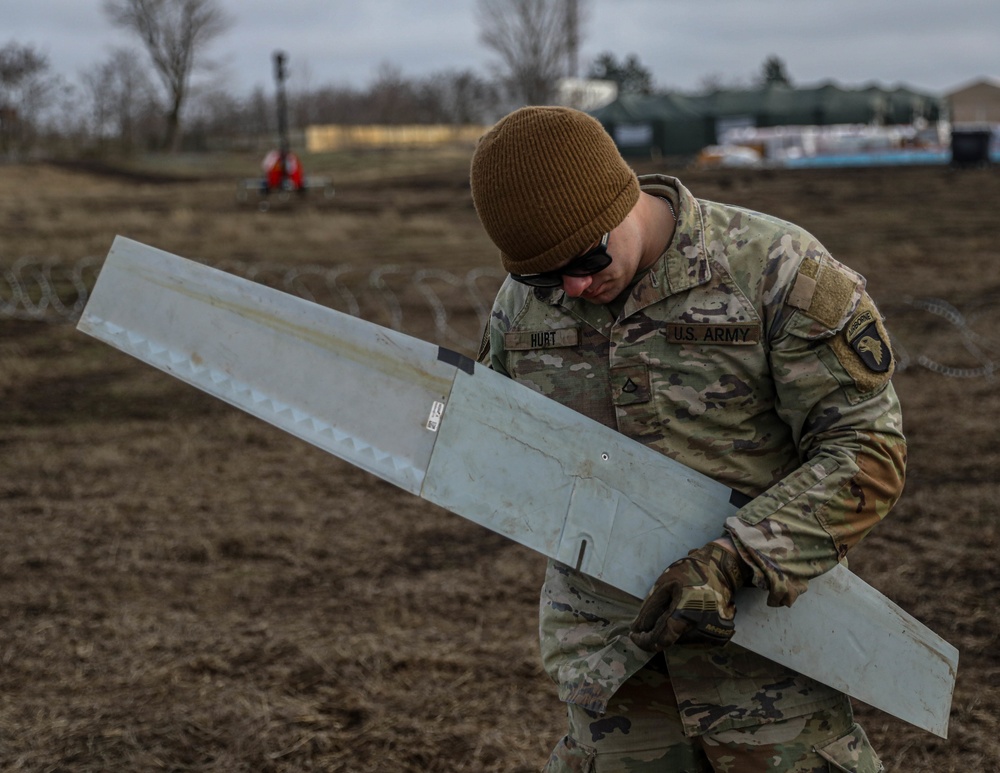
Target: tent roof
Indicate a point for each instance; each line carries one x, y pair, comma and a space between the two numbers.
824, 103
643, 107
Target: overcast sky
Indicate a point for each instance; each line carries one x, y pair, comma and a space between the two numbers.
932, 46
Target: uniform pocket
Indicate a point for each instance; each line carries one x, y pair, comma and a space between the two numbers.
574, 375
851, 753
569, 756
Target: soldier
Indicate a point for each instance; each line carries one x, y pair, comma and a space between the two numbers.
732, 342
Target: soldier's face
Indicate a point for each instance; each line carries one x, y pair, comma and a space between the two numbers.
605, 286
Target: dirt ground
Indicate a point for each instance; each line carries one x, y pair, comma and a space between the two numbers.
185, 588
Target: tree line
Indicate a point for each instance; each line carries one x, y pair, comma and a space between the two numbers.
146, 97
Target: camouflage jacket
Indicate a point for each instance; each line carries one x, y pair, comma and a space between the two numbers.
749, 354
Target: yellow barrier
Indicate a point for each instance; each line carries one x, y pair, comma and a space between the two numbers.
320, 139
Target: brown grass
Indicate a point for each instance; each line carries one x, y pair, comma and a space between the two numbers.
185, 588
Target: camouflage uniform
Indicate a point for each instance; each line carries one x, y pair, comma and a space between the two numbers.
748, 353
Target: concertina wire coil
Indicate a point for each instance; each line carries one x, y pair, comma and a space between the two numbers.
954, 342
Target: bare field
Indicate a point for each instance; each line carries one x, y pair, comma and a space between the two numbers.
184, 588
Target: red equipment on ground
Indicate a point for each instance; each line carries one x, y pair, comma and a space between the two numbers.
283, 173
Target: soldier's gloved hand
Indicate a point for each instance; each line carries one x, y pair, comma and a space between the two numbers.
692, 601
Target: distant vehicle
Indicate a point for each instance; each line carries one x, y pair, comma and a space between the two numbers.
282, 170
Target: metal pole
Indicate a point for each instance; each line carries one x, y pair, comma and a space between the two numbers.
279, 76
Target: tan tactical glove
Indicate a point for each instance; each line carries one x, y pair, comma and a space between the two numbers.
692, 601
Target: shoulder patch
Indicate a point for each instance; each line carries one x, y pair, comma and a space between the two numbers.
825, 291
863, 348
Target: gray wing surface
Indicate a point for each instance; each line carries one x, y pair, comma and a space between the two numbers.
486, 448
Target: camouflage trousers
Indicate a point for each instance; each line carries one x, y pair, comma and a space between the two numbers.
641, 733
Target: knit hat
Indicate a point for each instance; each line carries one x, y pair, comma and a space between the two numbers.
547, 183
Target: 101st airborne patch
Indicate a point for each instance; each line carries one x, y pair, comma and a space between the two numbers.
863, 336
863, 347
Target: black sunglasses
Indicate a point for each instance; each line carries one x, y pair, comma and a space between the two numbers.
589, 263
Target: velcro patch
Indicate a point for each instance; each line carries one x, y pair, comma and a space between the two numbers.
726, 334
824, 290
522, 340
802, 291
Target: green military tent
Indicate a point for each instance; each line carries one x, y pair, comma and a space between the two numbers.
678, 124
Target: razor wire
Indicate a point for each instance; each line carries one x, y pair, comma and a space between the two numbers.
391, 295
458, 305
980, 347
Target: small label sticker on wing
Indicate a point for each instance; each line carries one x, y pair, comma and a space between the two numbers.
437, 409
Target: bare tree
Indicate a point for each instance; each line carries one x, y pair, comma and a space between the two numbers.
27, 91
175, 34
391, 95
120, 95
260, 118
463, 97
536, 41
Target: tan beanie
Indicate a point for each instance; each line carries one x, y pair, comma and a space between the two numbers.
548, 182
